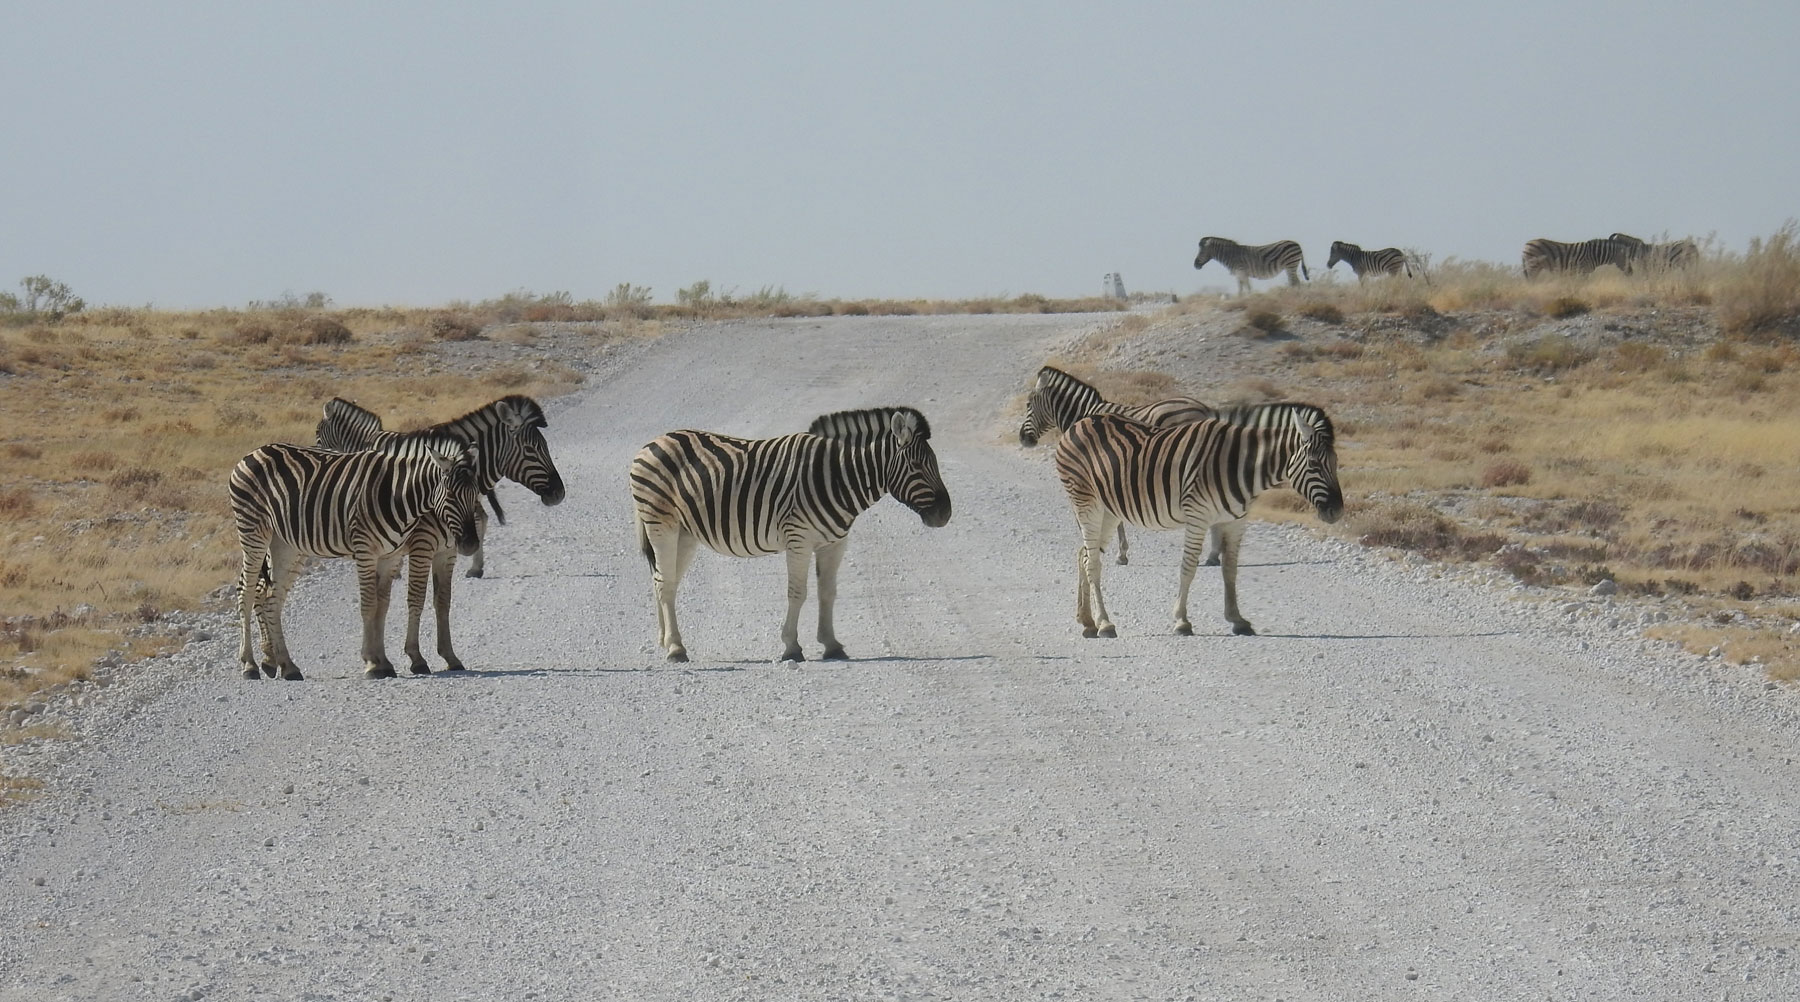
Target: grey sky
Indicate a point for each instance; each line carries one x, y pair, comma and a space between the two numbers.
207, 154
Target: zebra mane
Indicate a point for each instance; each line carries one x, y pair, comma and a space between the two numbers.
526, 408
422, 443
346, 427
863, 425
1050, 375
1280, 413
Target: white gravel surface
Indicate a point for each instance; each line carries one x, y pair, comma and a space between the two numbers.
1410, 785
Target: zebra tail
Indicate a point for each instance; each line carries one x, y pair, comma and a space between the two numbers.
644, 544
1303, 272
494, 503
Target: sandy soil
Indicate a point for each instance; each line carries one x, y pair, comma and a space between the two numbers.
1410, 786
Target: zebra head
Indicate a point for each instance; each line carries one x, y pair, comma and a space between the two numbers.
524, 455
1209, 250
346, 427
900, 440
1057, 401
1341, 251
1312, 469
457, 498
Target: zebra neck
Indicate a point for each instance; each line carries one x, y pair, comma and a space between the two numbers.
482, 429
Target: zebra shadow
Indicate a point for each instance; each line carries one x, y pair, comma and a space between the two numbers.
1384, 636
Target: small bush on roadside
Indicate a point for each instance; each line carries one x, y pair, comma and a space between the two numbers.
1563, 307
1327, 313
1505, 473
1265, 321
453, 327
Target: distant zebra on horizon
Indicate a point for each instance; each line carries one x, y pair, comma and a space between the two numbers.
288, 501
1541, 255
1254, 261
796, 494
1058, 400
1387, 261
1679, 254
1191, 477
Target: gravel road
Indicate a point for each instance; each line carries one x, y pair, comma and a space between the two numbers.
1412, 785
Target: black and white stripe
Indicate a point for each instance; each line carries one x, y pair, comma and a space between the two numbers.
797, 494
1190, 477
1058, 400
288, 501
1543, 256
508, 432
1386, 261
1643, 254
1254, 261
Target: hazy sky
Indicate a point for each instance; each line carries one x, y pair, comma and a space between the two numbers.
208, 154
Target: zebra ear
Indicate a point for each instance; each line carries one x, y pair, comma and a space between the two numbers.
902, 427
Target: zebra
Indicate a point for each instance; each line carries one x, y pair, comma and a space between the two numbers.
288, 500
1387, 261
508, 431
1679, 254
1618, 250
1248, 262
1058, 400
1191, 477
796, 494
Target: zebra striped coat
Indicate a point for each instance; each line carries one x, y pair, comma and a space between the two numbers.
287, 501
1387, 261
1642, 253
507, 431
797, 494
1058, 400
1541, 256
1254, 261
1190, 477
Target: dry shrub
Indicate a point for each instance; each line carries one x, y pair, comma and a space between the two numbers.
19, 450
853, 309
1762, 293
94, 461
1505, 473
1563, 307
250, 332
134, 480
453, 327
120, 415
319, 331
1550, 353
1327, 313
1408, 525
16, 503
1265, 321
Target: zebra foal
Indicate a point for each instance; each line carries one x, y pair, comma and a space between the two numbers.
1386, 261
1058, 400
287, 500
1254, 261
1192, 477
796, 494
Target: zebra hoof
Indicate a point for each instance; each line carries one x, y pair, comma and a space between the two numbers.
473, 572
1089, 632
1123, 559
456, 666
250, 671
678, 657
1109, 632
793, 655
1184, 629
292, 675
269, 668
1243, 630
379, 671
420, 669
834, 654
1210, 562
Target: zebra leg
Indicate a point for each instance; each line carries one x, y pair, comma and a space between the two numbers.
671, 549
282, 560
1243, 283
443, 565
1231, 534
1192, 542
797, 561
1090, 607
478, 563
1124, 548
1293, 276
250, 606
1213, 547
830, 557
372, 598
418, 568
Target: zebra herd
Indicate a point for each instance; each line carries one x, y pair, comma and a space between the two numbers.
1621, 250
384, 499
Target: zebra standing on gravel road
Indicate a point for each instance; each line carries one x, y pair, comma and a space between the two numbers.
288, 500
1190, 477
1259, 261
508, 431
1386, 261
1058, 400
797, 494
1618, 250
